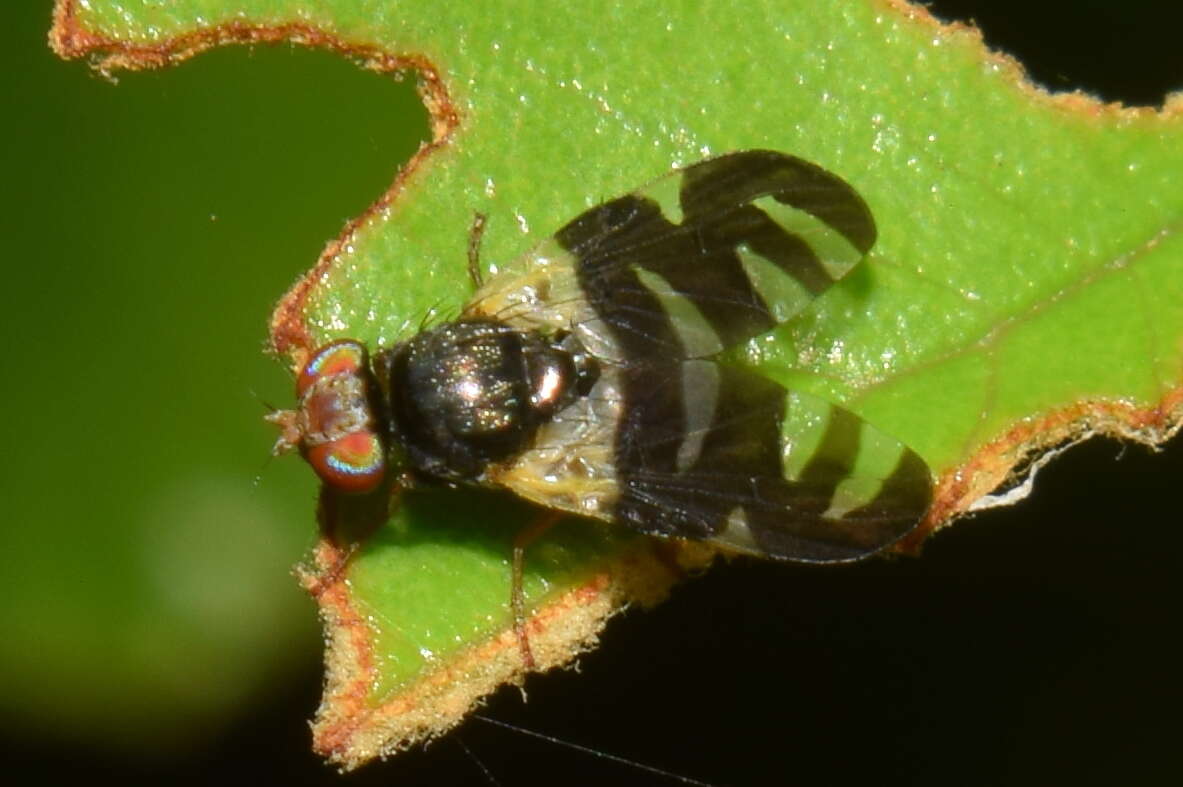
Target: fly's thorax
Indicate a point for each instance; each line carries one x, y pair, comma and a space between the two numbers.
472, 392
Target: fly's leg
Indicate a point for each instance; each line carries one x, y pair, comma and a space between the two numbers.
517, 602
475, 233
347, 521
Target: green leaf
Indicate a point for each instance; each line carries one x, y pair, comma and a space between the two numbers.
1026, 289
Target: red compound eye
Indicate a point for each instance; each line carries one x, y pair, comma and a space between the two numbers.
342, 357
353, 463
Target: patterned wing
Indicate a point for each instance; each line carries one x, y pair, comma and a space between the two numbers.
707, 451
714, 254
654, 283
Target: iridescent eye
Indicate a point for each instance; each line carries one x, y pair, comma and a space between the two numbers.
353, 463
342, 357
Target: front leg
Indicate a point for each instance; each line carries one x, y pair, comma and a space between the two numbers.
475, 233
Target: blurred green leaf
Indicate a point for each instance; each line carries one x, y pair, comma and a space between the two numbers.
146, 577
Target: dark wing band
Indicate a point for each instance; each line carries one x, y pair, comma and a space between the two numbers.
717, 253
712, 452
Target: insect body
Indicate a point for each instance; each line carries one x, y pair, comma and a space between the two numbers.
589, 383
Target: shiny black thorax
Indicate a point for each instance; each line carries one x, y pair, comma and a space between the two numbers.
472, 393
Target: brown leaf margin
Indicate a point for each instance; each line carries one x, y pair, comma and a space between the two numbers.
349, 730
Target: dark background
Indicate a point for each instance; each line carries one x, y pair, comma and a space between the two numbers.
1032, 645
